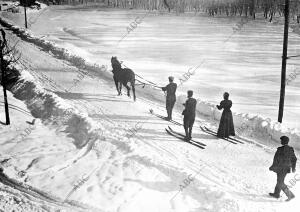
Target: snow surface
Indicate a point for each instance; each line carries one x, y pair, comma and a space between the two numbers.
243, 59
135, 172
262, 126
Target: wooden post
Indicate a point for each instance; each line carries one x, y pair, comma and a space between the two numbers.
25, 16
3, 44
284, 58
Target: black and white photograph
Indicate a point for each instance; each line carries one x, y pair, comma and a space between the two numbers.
149, 105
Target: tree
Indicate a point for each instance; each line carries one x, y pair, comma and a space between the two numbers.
167, 5
6, 59
27, 3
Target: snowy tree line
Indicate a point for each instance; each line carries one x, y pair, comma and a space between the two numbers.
249, 7
213, 7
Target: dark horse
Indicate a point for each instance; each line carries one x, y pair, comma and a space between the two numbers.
123, 76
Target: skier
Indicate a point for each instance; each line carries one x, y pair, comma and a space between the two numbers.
171, 97
226, 127
189, 115
284, 160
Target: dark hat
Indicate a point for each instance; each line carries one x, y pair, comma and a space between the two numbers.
190, 93
284, 139
171, 78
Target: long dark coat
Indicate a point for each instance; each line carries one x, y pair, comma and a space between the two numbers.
171, 90
284, 160
226, 127
190, 108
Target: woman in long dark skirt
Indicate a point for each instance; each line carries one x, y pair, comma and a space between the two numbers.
226, 127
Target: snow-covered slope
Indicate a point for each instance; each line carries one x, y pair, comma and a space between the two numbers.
110, 153
243, 59
247, 124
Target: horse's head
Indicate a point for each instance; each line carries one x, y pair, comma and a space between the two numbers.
116, 65
113, 59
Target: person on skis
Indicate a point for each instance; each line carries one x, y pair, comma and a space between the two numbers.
226, 127
189, 115
284, 160
171, 97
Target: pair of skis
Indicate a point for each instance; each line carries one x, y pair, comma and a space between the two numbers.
211, 132
164, 118
180, 136
204, 129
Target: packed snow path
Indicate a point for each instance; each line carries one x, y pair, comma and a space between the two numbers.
146, 170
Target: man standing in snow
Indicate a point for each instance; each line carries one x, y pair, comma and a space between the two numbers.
171, 97
284, 160
189, 115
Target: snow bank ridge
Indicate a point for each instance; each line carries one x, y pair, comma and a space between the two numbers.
53, 110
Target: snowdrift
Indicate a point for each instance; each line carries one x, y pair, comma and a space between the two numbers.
53, 110
246, 125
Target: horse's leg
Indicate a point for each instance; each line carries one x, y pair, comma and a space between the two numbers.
120, 88
128, 89
133, 90
117, 84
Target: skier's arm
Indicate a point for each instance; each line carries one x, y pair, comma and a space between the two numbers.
294, 160
220, 106
164, 88
230, 104
275, 159
185, 104
185, 109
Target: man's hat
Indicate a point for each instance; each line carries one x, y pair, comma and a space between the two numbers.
190, 93
171, 78
284, 139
